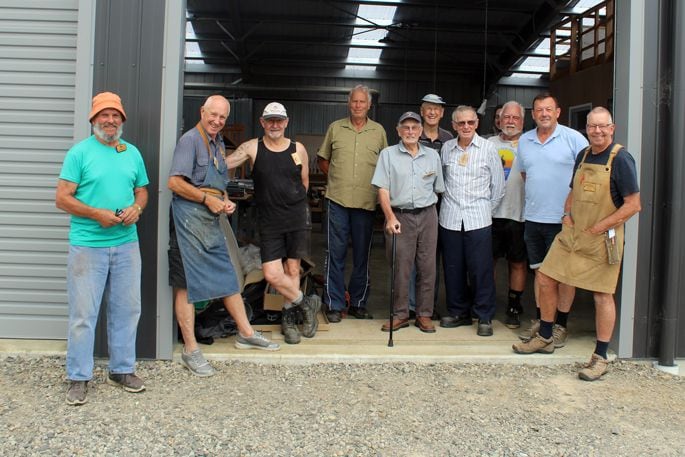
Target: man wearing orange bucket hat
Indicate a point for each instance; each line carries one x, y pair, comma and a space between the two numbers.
102, 186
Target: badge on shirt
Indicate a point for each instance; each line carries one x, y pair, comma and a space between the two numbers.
296, 158
464, 159
121, 147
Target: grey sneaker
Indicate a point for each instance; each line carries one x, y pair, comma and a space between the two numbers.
560, 335
289, 326
76, 394
310, 322
127, 381
256, 341
594, 369
196, 363
536, 344
530, 332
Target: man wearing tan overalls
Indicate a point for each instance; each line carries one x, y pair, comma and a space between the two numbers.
588, 251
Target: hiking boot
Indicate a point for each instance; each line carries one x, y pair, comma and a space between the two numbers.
196, 363
536, 344
289, 326
530, 332
256, 341
310, 320
560, 335
127, 381
513, 319
76, 394
594, 369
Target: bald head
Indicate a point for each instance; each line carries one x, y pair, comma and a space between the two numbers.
214, 113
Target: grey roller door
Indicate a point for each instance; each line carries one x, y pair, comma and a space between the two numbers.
37, 91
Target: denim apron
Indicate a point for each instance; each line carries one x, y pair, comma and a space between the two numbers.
579, 258
208, 268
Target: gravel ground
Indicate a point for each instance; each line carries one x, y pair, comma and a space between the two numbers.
395, 409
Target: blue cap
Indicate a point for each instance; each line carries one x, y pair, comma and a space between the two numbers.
409, 115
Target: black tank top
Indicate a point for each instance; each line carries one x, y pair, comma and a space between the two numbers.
279, 193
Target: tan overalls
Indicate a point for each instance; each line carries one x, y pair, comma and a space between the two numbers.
577, 257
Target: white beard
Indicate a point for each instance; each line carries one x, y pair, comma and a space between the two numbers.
107, 138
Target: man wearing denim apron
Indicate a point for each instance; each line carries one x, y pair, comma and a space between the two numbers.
102, 186
198, 179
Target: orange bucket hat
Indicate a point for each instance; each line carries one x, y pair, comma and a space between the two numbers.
105, 100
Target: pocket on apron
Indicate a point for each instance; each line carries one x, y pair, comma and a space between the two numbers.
591, 246
565, 238
205, 229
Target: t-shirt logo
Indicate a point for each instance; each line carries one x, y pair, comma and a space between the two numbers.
507, 156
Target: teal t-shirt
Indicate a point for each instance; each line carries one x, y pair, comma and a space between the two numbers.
106, 179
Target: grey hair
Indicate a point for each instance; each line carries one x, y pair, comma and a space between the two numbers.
516, 104
360, 88
463, 109
600, 110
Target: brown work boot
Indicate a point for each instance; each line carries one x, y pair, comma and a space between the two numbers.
535, 344
425, 324
396, 325
594, 369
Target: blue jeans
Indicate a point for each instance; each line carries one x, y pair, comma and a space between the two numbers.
344, 223
95, 275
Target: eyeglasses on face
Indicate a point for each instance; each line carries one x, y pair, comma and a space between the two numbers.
598, 126
470, 122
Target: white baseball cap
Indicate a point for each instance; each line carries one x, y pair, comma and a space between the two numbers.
274, 110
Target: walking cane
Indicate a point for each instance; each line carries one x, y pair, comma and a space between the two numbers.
392, 287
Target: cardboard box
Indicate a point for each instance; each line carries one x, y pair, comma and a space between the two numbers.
273, 301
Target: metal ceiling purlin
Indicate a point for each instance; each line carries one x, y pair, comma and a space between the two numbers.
306, 36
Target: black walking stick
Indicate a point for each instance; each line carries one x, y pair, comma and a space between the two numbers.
392, 287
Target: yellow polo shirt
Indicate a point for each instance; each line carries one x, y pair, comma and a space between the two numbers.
352, 160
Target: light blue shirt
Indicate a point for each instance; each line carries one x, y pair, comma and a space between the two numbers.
474, 184
411, 181
548, 167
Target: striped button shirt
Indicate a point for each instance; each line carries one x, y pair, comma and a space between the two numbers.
474, 184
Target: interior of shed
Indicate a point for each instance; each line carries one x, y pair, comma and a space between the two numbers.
307, 54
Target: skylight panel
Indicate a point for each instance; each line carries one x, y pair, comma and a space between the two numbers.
369, 15
192, 47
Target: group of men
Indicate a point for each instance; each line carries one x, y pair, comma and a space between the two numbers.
571, 239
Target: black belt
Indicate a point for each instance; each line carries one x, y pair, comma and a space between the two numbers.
411, 211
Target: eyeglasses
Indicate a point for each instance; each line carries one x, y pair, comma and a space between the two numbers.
598, 126
471, 122
410, 128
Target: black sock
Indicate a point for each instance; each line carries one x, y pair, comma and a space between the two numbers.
515, 299
546, 329
562, 318
537, 313
601, 348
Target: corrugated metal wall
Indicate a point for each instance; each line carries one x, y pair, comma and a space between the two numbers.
37, 79
311, 111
